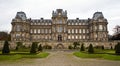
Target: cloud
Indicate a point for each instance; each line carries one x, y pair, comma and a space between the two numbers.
43, 8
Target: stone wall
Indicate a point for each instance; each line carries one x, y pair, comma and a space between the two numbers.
107, 45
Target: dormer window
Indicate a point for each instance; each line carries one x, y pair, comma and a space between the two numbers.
59, 13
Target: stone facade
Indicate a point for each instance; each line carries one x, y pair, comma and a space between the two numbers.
59, 28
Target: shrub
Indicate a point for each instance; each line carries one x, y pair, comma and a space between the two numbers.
117, 49
90, 49
19, 45
6, 49
75, 44
102, 47
82, 48
47, 47
33, 47
40, 48
70, 47
111, 48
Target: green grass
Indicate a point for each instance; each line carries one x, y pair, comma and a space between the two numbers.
108, 55
20, 55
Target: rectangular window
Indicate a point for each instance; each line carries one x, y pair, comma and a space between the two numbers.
76, 23
69, 37
72, 30
79, 23
31, 31
87, 31
72, 37
68, 30
35, 31
42, 31
76, 37
83, 30
100, 27
38, 30
79, 30
80, 37
83, 36
76, 30
46, 31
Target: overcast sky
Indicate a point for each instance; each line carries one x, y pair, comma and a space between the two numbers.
36, 9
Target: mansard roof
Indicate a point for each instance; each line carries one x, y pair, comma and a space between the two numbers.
77, 20
41, 20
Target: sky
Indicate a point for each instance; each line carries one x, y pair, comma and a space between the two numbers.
82, 9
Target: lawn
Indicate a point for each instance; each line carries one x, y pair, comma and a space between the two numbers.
106, 54
20, 55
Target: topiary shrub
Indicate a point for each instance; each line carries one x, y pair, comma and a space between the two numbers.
47, 47
117, 49
33, 47
90, 49
19, 45
102, 47
70, 47
40, 48
82, 48
111, 48
75, 44
6, 49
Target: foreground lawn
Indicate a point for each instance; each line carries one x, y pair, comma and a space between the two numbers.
106, 56
20, 55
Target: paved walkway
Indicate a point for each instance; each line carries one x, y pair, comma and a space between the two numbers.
60, 58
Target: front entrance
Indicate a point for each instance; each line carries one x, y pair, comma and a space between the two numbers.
59, 46
59, 38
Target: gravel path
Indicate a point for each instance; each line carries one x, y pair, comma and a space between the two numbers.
61, 58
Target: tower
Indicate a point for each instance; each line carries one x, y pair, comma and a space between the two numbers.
20, 28
59, 25
98, 27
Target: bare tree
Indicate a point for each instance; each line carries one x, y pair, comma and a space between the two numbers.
4, 35
117, 29
116, 35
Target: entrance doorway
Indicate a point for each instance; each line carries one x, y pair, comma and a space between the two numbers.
59, 46
59, 38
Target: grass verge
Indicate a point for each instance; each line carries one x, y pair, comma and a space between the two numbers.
20, 55
100, 56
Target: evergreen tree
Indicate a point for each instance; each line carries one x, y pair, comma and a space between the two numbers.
82, 48
111, 48
117, 49
75, 44
40, 48
70, 47
102, 47
19, 45
33, 47
6, 49
90, 49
